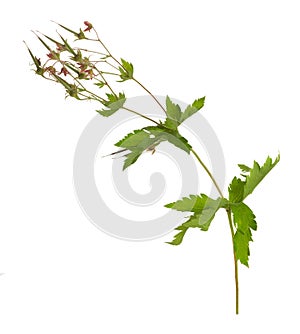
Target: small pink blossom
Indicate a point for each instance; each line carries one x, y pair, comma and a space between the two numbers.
50, 69
90, 73
89, 26
64, 71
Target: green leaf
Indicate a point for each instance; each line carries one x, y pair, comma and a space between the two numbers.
241, 247
131, 158
179, 236
135, 139
100, 84
196, 203
173, 114
240, 189
257, 173
193, 203
244, 168
136, 142
179, 142
126, 70
204, 209
128, 67
244, 221
201, 220
113, 104
236, 190
192, 109
149, 137
176, 139
199, 103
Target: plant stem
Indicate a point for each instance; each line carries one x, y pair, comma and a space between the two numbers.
135, 80
81, 49
228, 210
141, 115
208, 172
154, 98
236, 272
104, 80
87, 94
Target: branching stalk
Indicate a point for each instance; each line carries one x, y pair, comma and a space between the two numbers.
208, 172
229, 216
141, 115
148, 91
236, 272
100, 71
120, 64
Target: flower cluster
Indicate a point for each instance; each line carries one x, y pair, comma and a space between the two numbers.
79, 69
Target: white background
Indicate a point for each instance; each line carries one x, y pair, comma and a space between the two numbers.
61, 274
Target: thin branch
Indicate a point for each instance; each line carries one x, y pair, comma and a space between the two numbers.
208, 172
228, 210
104, 80
91, 51
141, 115
135, 80
148, 91
236, 272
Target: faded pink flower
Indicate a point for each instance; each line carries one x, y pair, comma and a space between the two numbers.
64, 71
89, 26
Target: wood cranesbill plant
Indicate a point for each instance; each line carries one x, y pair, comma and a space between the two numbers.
87, 70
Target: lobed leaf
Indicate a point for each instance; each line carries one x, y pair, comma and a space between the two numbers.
175, 116
244, 220
100, 84
179, 236
201, 220
257, 173
113, 104
126, 70
236, 190
204, 209
196, 203
148, 138
241, 247
134, 139
192, 109
176, 139
244, 168
131, 158
240, 189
